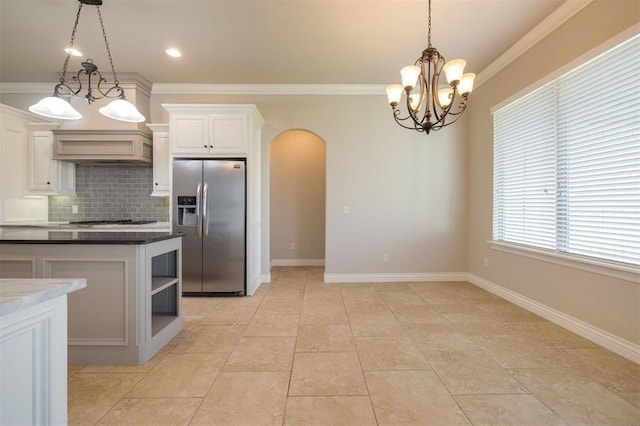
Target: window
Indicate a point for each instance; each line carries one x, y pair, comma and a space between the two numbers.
567, 162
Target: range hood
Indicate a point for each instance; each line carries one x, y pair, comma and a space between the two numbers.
96, 139
103, 146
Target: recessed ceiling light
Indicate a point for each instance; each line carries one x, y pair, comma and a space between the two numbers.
174, 53
72, 51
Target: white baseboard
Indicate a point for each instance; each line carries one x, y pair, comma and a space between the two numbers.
297, 262
257, 282
614, 343
397, 277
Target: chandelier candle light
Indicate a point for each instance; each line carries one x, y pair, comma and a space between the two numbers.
433, 107
56, 107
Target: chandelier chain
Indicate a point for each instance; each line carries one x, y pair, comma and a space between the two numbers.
73, 37
429, 34
106, 43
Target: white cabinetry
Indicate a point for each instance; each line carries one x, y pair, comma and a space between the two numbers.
14, 206
46, 176
228, 133
161, 161
33, 348
190, 134
210, 130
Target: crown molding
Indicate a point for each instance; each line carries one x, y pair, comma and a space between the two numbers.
223, 89
558, 17
268, 89
24, 88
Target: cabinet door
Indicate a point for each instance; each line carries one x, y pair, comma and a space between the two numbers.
14, 141
228, 133
190, 134
42, 178
46, 176
161, 184
33, 365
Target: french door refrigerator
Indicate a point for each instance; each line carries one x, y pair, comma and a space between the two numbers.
210, 197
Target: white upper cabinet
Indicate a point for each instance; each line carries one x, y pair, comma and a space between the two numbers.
42, 168
46, 176
228, 133
14, 205
211, 130
161, 160
190, 134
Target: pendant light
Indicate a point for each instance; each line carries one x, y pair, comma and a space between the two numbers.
56, 107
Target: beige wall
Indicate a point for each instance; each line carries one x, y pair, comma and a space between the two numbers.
297, 201
610, 304
406, 192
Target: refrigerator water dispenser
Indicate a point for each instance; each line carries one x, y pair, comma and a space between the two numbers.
187, 210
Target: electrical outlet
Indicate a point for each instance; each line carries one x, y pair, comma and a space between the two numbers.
345, 210
74, 209
385, 257
292, 246
485, 262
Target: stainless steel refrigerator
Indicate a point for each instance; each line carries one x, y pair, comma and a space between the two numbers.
209, 196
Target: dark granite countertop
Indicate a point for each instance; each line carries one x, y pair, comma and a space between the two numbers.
36, 236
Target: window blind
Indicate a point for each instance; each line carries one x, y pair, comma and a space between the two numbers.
567, 161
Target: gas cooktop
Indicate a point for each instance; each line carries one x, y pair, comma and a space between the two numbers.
111, 222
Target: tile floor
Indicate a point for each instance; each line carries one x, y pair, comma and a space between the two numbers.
301, 352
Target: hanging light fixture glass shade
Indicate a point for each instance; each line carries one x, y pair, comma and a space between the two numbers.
56, 107
123, 110
434, 104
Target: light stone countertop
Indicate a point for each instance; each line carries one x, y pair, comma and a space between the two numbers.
17, 294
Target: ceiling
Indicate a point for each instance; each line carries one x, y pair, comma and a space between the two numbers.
260, 41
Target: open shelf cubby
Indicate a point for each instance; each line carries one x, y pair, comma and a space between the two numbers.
164, 290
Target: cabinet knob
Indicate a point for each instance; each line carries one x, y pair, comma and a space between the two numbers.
48, 183
206, 146
156, 183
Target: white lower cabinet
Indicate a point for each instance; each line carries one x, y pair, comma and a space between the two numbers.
33, 365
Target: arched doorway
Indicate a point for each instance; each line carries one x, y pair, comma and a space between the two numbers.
297, 197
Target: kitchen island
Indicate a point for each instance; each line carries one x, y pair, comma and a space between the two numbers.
131, 306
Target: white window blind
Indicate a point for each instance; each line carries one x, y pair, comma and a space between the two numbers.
567, 161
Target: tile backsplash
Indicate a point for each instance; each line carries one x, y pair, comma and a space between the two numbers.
111, 192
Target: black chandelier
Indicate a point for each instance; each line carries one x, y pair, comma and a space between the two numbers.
433, 107
56, 107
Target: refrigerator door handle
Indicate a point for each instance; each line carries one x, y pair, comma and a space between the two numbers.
205, 208
198, 216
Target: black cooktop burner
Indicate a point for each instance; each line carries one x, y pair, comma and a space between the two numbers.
112, 222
